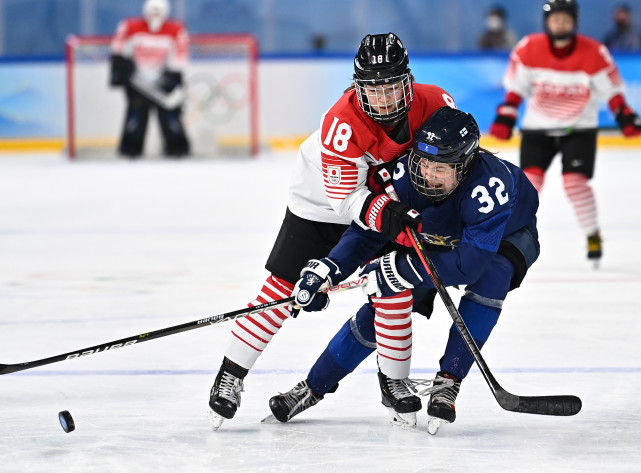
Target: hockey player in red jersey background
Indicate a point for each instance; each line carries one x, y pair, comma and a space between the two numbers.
373, 123
563, 75
148, 59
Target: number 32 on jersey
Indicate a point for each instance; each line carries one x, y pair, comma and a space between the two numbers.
484, 196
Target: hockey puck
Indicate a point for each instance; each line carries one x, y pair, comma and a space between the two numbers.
66, 421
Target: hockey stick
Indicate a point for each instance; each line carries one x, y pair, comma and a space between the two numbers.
565, 405
165, 100
144, 337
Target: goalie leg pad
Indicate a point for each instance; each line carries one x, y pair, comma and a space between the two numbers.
135, 127
176, 143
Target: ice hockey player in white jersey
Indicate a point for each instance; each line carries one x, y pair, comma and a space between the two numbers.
372, 123
148, 58
563, 75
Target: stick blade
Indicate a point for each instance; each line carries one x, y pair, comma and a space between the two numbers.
540, 405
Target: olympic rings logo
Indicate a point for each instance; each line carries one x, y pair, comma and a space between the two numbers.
216, 100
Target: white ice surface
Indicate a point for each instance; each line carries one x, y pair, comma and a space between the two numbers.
96, 251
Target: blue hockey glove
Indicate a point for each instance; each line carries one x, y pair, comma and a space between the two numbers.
316, 275
390, 275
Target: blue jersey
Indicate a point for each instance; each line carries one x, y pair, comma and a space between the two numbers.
495, 200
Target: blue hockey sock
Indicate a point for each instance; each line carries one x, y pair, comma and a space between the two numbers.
354, 342
480, 321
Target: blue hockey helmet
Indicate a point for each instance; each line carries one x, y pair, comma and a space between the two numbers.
445, 148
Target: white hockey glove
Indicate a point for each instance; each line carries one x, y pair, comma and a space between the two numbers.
390, 274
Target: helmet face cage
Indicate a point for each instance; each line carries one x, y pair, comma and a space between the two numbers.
434, 179
445, 148
382, 78
387, 100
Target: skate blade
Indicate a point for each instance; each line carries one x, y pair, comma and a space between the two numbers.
433, 424
215, 420
270, 419
403, 421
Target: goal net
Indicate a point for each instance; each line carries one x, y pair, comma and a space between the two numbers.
220, 111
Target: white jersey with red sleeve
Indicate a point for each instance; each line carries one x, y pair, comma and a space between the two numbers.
152, 52
562, 92
329, 183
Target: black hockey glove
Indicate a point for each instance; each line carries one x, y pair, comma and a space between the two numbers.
121, 70
504, 122
629, 121
168, 81
382, 214
390, 274
315, 276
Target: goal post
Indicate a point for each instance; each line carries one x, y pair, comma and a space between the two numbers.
220, 112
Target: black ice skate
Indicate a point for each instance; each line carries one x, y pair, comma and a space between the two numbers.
286, 405
400, 402
594, 248
224, 399
441, 406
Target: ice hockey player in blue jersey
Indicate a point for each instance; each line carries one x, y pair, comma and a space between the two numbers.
477, 216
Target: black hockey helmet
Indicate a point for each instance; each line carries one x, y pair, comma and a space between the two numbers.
382, 60
449, 137
570, 7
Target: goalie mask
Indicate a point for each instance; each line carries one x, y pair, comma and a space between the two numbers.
561, 6
444, 149
156, 13
382, 78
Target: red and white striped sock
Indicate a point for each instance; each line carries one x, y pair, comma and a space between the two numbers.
393, 324
581, 196
536, 175
251, 334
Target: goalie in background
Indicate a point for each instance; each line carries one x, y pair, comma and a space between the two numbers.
148, 57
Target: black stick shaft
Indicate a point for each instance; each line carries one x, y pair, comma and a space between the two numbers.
144, 337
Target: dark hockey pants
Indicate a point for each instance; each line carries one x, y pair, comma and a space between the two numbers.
135, 127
